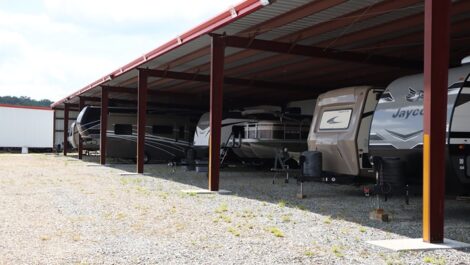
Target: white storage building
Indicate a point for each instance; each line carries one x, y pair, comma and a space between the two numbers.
26, 126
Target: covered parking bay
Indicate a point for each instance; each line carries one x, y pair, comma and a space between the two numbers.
293, 50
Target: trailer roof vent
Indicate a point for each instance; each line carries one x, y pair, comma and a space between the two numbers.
466, 60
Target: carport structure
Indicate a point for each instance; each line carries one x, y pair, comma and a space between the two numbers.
271, 52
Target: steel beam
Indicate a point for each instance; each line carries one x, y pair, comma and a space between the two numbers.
66, 127
436, 63
216, 100
90, 99
131, 90
72, 107
318, 52
103, 124
141, 115
81, 105
225, 80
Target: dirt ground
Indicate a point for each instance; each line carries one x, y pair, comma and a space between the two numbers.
59, 210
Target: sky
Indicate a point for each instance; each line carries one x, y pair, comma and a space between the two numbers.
51, 48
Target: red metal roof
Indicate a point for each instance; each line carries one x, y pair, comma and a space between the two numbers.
391, 28
224, 18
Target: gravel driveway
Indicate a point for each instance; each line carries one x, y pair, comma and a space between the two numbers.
59, 210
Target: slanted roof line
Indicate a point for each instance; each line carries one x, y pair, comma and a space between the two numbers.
243, 9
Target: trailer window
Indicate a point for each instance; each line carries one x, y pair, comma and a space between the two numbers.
335, 119
162, 130
123, 129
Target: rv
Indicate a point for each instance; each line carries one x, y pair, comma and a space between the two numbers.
88, 144
397, 126
257, 133
340, 129
168, 136
353, 124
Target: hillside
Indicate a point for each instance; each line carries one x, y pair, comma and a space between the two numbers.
24, 101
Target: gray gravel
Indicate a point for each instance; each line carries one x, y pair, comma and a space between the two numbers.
58, 210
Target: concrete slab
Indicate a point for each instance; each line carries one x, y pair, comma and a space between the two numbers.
417, 244
133, 174
93, 165
202, 191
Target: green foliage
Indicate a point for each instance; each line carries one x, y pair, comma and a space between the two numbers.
24, 101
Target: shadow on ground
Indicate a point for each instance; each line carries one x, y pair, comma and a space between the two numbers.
345, 202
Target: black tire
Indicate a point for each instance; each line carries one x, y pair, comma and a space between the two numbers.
147, 158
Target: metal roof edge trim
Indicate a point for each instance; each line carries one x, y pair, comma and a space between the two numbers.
245, 8
25, 107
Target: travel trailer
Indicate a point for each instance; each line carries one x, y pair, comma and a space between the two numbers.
353, 124
88, 144
257, 133
397, 126
168, 136
340, 129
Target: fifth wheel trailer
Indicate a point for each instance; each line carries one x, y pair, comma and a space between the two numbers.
25, 126
168, 134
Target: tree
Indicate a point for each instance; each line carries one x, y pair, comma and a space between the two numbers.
24, 101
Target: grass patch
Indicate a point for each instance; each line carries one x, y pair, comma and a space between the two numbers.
142, 190
309, 253
328, 220
163, 195
126, 181
393, 262
233, 231
301, 207
222, 208
120, 216
225, 218
433, 260
276, 231
282, 203
285, 218
337, 251
362, 229
248, 214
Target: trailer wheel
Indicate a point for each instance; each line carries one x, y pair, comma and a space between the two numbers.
147, 158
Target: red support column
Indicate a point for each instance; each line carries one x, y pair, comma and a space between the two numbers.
436, 63
103, 124
81, 104
66, 127
141, 119
216, 99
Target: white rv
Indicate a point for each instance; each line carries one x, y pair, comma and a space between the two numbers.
397, 127
73, 138
258, 133
352, 124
